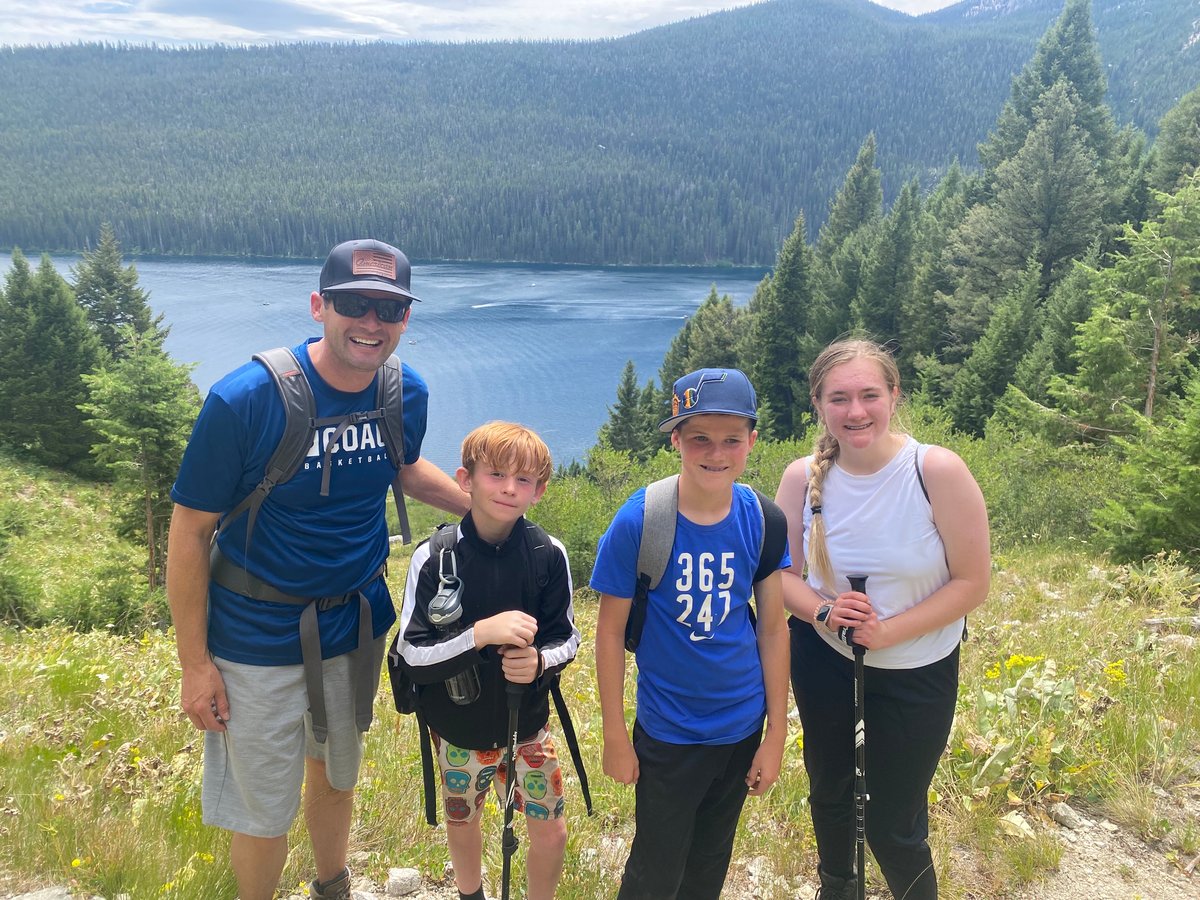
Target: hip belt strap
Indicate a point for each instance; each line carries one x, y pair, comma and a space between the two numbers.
234, 578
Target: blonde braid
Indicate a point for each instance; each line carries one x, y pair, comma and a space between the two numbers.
825, 451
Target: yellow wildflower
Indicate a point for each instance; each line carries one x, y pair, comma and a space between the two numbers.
1115, 672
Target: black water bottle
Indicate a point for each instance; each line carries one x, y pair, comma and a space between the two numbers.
463, 688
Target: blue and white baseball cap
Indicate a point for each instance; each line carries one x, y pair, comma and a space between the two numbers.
725, 392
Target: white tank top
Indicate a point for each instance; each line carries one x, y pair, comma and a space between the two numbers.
881, 526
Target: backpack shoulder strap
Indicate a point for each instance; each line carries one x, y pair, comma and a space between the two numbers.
654, 551
300, 410
658, 529
919, 462
568, 730
541, 544
774, 536
389, 399
445, 538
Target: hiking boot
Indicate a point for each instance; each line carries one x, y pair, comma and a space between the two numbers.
833, 888
334, 889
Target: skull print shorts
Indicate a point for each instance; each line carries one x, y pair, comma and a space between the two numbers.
467, 775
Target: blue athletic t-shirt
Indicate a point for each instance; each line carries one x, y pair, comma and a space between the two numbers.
699, 676
303, 544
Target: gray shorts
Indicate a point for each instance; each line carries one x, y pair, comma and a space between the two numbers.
253, 771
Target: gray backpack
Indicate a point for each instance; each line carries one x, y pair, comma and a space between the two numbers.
301, 424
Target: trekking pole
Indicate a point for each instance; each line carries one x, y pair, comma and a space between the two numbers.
509, 842
859, 583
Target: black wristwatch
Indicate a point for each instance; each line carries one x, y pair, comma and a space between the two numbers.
822, 613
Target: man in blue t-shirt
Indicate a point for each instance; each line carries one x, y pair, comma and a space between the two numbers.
707, 678
245, 682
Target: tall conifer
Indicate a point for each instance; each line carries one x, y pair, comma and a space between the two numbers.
776, 353
1066, 52
110, 294
46, 346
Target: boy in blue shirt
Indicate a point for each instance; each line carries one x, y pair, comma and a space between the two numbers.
707, 676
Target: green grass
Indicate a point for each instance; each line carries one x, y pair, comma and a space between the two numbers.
101, 771
1066, 693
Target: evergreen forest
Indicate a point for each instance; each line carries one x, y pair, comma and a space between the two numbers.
692, 143
1048, 300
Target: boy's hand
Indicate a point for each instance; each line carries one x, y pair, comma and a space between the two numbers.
520, 664
513, 627
620, 760
768, 759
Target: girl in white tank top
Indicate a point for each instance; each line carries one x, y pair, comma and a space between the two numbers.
912, 519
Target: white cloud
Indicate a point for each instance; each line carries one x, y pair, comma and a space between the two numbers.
915, 7
173, 22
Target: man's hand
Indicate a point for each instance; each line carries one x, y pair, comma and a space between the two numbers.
203, 697
520, 664
513, 628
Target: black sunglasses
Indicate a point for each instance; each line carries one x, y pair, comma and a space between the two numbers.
355, 306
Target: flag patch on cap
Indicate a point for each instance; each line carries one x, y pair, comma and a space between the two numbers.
373, 262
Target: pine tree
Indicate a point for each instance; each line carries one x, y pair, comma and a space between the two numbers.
1126, 175
142, 407
1046, 207
1102, 398
650, 413
858, 202
625, 429
1067, 52
925, 313
1161, 474
887, 272
780, 312
1177, 149
46, 346
110, 295
1051, 354
843, 244
988, 370
1156, 284
717, 331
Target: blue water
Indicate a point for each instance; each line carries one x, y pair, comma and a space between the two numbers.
540, 345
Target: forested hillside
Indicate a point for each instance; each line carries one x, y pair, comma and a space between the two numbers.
692, 143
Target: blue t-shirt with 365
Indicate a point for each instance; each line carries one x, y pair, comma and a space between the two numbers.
699, 676
303, 544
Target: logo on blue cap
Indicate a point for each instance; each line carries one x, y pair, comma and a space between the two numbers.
711, 392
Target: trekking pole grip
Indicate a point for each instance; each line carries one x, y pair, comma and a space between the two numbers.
857, 583
514, 692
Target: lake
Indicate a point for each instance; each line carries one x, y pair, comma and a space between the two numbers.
540, 345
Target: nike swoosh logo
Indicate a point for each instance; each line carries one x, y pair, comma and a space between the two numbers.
700, 637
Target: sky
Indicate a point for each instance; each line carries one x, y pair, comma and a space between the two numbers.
182, 22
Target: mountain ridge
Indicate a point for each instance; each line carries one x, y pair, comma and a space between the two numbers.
692, 143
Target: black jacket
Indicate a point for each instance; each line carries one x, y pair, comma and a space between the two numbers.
495, 578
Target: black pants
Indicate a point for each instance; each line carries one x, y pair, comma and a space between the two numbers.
689, 798
908, 717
